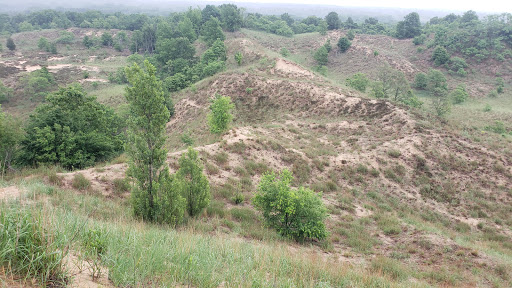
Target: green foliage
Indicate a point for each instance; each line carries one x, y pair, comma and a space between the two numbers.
87, 42
421, 81
10, 44
498, 127
284, 52
43, 44
11, 134
493, 94
440, 56
459, 94
395, 86
5, 93
193, 183
296, 213
344, 44
457, 64
231, 17
358, 81
66, 37
410, 27
500, 86
333, 21
29, 248
441, 106
321, 56
419, 40
170, 203
351, 35
73, 130
146, 138
175, 48
107, 39
436, 80
211, 31
238, 58
220, 115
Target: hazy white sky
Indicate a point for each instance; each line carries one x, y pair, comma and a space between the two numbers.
480, 5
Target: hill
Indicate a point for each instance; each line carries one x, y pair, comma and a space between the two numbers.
414, 200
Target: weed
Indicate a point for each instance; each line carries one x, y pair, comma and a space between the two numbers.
389, 267
79, 182
216, 208
238, 198
243, 214
221, 158
121, 185
394, 153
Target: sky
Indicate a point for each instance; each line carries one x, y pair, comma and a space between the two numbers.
480, 5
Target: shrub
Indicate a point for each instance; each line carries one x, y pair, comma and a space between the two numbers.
419, 40
459, 95
296, 213
79, 182
239, 198
493, 94
284, 52
440, 56
192, 183
394, 153
220, 115
344, 44
10, 44
239, 58
358, 81
350, 35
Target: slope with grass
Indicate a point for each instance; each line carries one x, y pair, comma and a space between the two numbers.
413, 201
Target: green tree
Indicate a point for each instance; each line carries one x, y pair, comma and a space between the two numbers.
238, 58
321, 56
87, 42
146, 138
175, 48
358, 81
421, 81
5, 92
333, 21
459, 94
43, 44
410, 27
10, 44
436, 80
107, 39
230, 17
186, 29
395, 84
440, 56
344, 44
296, 213
11, 133
211, 31
193, 183
73, 130
500, 85
220, 115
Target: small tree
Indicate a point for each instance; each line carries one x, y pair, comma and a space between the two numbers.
296, 213
358, 81
333, 21
238, 58
146, 138
459, 94
5, 92
440, 56
220, 115
351, 35
10, 44
193, 183
421, 81
500, 85
43, 44
344, 44
87, 42
321, 56
436, 80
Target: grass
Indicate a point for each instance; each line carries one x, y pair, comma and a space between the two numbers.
79, 182
138, 254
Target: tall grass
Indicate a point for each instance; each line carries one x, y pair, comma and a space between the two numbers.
30, 247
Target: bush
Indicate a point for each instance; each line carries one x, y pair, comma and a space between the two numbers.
220, 116
121, 185
79, 182
296, 213
344, 44
358, 81
192, 183
440, 56
284, 52
350, 35
459, 95
419, 40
